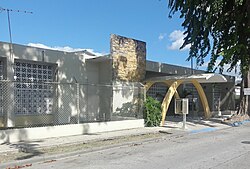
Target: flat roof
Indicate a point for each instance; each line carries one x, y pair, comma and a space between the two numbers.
99, 58
201, 78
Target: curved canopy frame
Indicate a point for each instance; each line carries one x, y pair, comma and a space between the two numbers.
175, 82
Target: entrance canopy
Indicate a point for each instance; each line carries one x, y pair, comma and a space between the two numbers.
200, 78
173, 83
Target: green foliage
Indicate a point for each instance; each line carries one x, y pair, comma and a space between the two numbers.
152, 112
220, 28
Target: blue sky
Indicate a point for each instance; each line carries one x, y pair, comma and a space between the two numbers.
88, 24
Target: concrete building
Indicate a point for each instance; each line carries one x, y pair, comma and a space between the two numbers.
43, 87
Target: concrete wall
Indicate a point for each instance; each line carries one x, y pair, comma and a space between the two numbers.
105, 88
127, 101
26, 134
70, 68
93, 99
99, 91
95, 79
167, 69
220, 96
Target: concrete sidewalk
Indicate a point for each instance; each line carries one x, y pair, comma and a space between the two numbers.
172, 125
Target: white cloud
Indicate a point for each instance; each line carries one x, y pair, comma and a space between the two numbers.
162, 36
65, 48
177, 39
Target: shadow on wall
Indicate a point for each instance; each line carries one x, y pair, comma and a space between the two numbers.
70, 70
125, 89
130, 110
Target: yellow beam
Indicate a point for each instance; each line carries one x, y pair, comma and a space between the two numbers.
203, 98
176, 94
148, 85
167, 99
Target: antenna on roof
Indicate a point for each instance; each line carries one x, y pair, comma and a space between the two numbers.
8, 16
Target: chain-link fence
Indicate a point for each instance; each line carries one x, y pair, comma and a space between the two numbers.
33, 104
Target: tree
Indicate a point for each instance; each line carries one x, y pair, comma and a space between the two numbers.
221, 29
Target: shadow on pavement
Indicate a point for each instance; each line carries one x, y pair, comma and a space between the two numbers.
26, 149
245, 142
212, 122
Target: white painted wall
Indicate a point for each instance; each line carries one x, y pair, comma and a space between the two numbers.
71, 68
105, 89
125, 100
26, 134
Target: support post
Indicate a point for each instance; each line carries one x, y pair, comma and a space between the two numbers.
184, 121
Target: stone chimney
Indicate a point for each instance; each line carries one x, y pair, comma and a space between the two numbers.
128, 59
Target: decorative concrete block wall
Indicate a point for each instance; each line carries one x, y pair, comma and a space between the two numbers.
129, 59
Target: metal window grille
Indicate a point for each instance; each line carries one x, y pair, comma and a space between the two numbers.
157, 88
216, 98
32, 93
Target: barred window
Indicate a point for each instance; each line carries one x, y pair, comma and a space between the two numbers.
33, 91
156, 90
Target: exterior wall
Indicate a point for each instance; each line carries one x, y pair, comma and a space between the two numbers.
93, 99
220, 96
129, 59
70, 68
105, 72
167, 69
96, 99
127, 99
129, 68
105, 88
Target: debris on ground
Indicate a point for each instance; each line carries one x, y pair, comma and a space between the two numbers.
236, 120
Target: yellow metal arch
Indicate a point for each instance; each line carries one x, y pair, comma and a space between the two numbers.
167, 99
176, 94
148, 85
203, 98
171, 91
168, 83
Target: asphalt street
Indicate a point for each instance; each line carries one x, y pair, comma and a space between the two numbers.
227, 148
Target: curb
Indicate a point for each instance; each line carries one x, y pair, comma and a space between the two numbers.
55, 157
50, 158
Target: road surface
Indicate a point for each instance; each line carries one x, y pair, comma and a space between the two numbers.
228, 148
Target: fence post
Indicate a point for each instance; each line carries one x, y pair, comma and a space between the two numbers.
9, 103
78, 102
